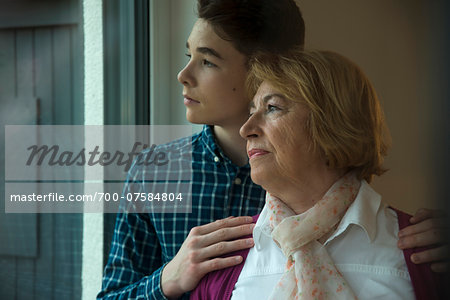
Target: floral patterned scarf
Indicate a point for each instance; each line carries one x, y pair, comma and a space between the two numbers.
310, 272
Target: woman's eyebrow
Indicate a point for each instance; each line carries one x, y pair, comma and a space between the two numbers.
266, 98
206, 51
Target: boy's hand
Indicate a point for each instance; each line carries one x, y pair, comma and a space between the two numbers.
429, 229
199, 253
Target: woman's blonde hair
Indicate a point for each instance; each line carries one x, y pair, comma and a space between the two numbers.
346, 122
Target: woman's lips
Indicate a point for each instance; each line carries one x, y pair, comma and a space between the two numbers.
256, 152
190, 101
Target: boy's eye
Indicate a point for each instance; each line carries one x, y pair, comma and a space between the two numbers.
188, 55
207, 63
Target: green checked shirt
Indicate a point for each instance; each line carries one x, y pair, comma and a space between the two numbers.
144, 243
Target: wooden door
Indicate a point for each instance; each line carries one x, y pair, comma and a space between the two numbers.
40, 83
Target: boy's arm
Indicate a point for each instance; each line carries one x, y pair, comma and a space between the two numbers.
134, 265
135, 260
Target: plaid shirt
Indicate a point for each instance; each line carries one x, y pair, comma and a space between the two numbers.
144, 243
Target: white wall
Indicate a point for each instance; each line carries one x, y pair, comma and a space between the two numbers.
92, 255
392, 42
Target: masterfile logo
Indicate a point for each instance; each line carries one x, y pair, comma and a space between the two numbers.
90, 168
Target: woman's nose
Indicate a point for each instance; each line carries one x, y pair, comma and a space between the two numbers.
250, 129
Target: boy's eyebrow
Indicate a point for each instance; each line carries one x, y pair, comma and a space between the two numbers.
206, 51
209, 51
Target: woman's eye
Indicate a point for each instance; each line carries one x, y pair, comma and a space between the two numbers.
207, 63
272, 108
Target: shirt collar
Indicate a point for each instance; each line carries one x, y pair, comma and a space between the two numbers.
362, 212
262, 227
215, 153
209, 141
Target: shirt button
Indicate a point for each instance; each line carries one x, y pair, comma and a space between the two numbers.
237, 181
216, 159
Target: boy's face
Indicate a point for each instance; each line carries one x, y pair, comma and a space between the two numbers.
213, 79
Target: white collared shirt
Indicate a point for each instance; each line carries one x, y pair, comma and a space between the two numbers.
363, 248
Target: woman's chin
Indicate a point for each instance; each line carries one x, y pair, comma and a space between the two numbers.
260, 178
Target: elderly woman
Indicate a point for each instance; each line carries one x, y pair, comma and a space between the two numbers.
316, 136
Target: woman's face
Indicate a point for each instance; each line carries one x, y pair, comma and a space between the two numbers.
278, 145
213, 79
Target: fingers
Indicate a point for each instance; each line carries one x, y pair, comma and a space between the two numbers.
223, 223
431, 230
426, 238
424, 226
219, 263
438, 254
219, 237
226, 234
425, 213
221, 248
223, 239
440, 267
